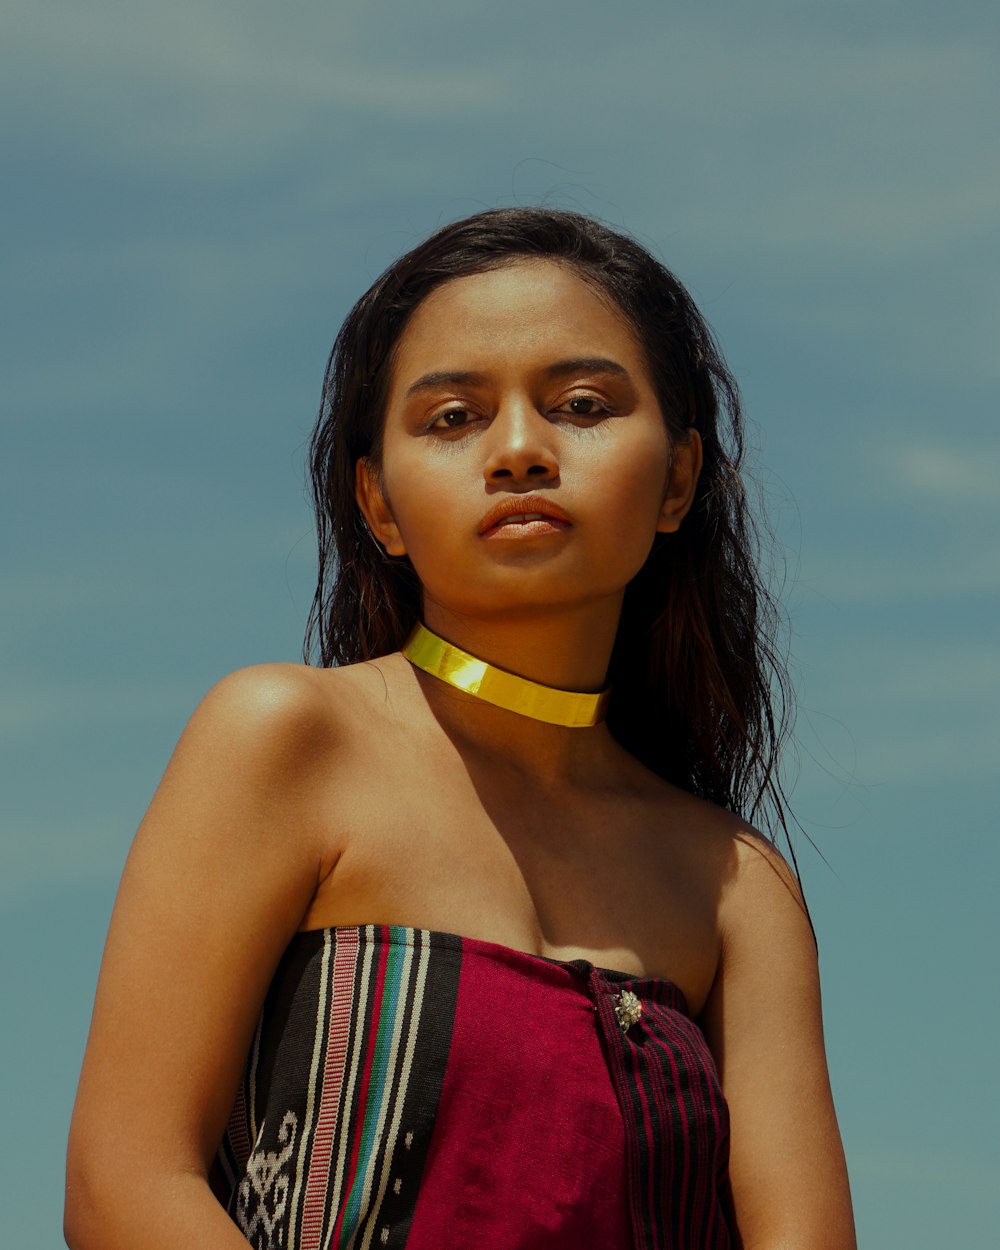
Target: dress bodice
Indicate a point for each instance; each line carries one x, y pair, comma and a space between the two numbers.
408, 1087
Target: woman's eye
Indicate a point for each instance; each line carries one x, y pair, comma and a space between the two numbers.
453, 419
585, 406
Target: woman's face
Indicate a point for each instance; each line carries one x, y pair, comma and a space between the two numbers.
525, 461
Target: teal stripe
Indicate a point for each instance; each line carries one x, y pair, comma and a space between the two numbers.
378, 1092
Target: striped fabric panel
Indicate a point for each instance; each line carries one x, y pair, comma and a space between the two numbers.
235, 1148
676, 1118
346, 1085
332, 1029
401, 1062
369, 1075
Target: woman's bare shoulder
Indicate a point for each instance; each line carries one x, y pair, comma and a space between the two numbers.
739, 865
249, 777
755, 886
761, 875
274, 708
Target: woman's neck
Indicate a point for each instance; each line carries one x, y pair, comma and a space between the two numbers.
564, 650
568, 650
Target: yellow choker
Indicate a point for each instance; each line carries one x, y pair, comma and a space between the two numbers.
450, 664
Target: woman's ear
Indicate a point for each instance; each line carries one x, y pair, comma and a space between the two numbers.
685, 466
374, 508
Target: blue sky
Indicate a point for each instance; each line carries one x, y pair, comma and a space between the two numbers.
194, 196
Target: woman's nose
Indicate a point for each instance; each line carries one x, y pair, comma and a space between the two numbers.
521, 445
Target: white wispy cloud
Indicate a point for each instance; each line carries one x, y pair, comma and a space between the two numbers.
227, 84
901, 577
882, 708
828, 126
925, 507
969, 476
908, 575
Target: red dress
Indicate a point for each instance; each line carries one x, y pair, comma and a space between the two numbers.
412, 1088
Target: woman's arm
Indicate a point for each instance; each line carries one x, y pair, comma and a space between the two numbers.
223, 867
763, 1022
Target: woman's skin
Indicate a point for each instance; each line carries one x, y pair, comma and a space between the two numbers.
299, 798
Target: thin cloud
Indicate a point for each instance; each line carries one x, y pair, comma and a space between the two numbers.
899, 576
966, 476
910, 711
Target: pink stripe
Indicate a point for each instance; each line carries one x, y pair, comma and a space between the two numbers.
376, 1001
705, 1173
652, 1186
339, 991
659, 1134
678, 1102
239, 1138
721, 1127
685, 1048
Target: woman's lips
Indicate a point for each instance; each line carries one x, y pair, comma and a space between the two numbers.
525, 525
523, 517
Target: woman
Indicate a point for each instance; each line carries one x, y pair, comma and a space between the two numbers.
527, 497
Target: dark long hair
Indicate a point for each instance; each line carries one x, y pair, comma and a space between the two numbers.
700, 691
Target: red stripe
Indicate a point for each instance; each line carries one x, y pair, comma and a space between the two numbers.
721, 1124
652, 1186
678, 1103
340, 991
362, 1101
239, 1137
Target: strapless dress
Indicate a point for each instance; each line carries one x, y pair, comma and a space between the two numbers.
407, 1087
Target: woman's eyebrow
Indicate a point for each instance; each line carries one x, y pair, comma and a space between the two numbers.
560, 369
586, 364
445, 377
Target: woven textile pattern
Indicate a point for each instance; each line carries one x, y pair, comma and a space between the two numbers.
407, 1087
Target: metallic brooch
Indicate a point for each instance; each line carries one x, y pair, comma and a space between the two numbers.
628, 1009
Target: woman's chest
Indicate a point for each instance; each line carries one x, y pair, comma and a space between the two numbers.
616, 881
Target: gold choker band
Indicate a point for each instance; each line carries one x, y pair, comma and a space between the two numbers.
450, 664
